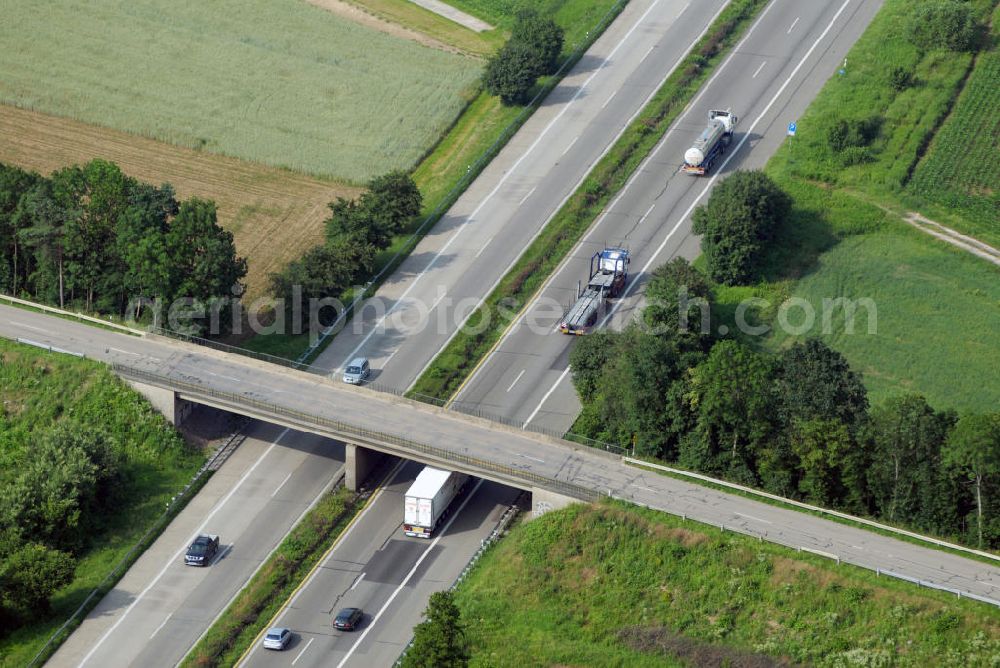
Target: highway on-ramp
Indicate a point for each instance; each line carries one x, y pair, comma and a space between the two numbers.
465, 443
159, 609
456, 265
375, 567
768, 81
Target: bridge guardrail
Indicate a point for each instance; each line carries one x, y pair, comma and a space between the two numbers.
370, 435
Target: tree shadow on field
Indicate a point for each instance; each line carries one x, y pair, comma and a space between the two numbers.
798, 242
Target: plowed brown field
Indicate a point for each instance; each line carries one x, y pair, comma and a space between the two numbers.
274, 215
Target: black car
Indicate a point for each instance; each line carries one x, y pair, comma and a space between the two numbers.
202, 550
348, 619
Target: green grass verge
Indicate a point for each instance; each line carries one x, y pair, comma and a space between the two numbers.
447, 372
937, 307
232, 634
38, 389
477, 136
616, 585
412, 15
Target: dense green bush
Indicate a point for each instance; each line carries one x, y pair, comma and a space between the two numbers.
943, 24
741, 216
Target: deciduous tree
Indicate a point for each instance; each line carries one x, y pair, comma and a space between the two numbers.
973, 447
740, 218
439, 641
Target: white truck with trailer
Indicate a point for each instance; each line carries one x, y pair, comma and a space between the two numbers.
711, 143
428, 498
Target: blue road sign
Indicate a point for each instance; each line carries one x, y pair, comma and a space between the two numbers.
791, 129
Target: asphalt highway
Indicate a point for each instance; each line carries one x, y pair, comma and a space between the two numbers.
768, 81
388, 575
161, 607
420, 306
468, 440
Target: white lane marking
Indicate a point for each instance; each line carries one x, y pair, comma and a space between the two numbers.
515, 380
220, 375
857, 547
409, 575
570, 145
534, 459
792, 27
359, 579
648, 211
734, 152
182, 549
759, 69
21, 324
402, 299
565, 199
438, 300
525, 198
278, 488
648, 489
628, 289
608, 101
386, 362
647, 53
303, 651
545, 398
124, 352
751, 517
222, 554
160, 626
391, 478
480, 251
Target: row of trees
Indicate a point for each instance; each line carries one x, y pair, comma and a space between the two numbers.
48, 508
796, 423
532, 51
356, 231
94, 238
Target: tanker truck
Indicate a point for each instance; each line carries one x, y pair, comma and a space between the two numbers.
710, 144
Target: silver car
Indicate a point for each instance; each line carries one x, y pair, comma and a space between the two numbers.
357, 371
277, 638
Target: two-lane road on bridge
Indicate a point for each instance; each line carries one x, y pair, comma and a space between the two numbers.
523, 459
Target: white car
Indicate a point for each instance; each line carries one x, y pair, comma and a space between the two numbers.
277, 638
357, 371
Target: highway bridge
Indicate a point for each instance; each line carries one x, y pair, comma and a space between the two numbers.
555, 471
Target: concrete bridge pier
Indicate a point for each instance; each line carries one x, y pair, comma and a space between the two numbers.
175, 409
359, 462
543, 501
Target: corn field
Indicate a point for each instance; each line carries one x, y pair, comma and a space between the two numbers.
961, 170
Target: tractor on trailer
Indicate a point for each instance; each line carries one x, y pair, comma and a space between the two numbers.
428, 498
608, 272
710, 144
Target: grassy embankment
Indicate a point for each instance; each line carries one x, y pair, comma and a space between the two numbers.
257, 603
39, 389
618, 585
457, 360
476, 137
938, 308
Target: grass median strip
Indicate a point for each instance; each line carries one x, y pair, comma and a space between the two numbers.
453, 365
277, 578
